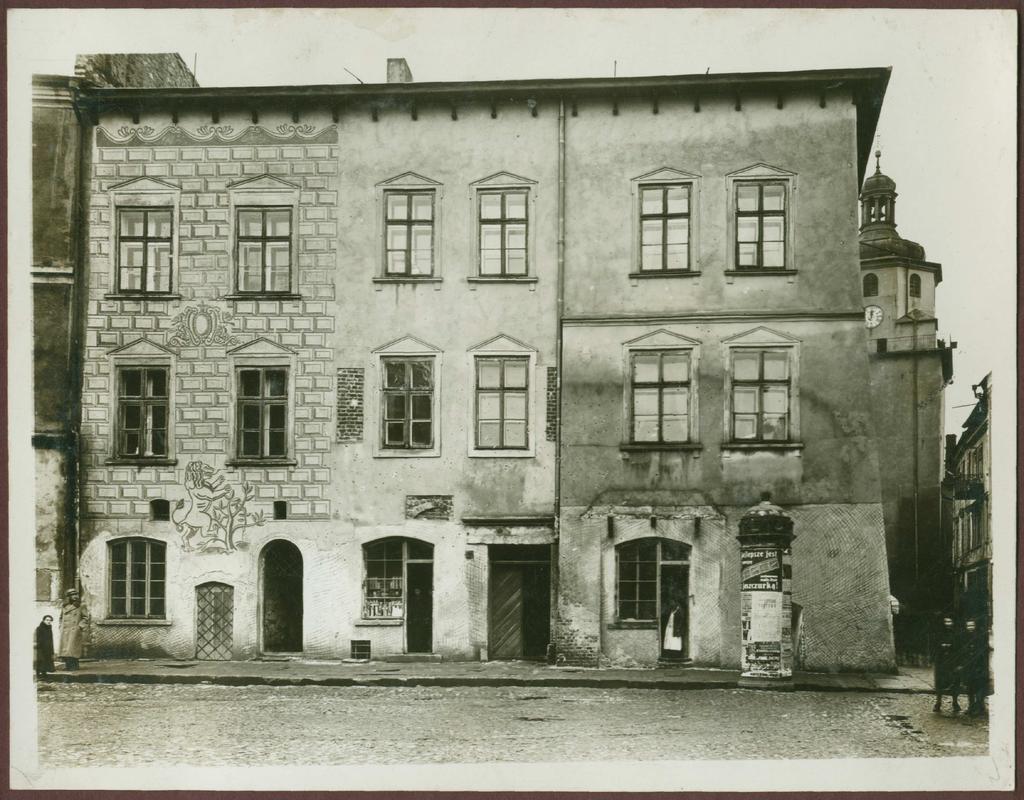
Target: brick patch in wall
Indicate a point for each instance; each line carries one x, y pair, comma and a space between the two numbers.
350, 405
551, 402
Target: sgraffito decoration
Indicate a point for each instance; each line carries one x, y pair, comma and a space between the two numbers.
212, 516
202, 325
428, 506
215, 135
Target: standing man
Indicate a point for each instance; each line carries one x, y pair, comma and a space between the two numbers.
946, 657
74, 620
977, 667
44, 646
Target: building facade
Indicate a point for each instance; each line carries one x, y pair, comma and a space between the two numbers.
451, 370
909, 369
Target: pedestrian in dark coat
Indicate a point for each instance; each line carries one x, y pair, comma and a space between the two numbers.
946, 657
976, 666
44, 646
74, 622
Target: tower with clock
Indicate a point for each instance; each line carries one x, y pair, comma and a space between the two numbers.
909, 368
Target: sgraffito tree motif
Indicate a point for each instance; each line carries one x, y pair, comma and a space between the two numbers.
212, 516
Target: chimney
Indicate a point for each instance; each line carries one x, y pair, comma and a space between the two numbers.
398, 71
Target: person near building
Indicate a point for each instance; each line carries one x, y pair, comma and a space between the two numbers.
946, 658
44, 646
74, 621
976, 663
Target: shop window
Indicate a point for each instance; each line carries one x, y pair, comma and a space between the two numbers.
648, 574
385, 575
137, 579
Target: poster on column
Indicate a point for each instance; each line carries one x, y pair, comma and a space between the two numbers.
762, 611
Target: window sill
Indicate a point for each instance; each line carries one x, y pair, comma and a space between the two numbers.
262, 462
142, 296
732, 273
157, 623
406, 279
500, 279
502, 454
382, 453
633, 625
262, 296
141, 462
775, 446
640, 447
666, 273
379, 623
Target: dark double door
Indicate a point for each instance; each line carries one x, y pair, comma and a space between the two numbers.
520, 601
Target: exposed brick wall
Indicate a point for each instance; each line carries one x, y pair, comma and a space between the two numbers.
349, 423
135, 70
203, 374
551, 403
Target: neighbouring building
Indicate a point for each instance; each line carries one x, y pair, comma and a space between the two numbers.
476, 370
969, 481
909, 369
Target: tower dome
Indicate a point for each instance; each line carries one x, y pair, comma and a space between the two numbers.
878, 234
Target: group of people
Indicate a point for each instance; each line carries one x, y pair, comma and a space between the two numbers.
961, 663
74, 623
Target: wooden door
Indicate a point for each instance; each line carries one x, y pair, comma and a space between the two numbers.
215, 614
506, 629
282, 598
419, 615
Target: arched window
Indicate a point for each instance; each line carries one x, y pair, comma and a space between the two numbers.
650, 576
137, 578
871, 285
915, 285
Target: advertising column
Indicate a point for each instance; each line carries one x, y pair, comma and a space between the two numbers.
766, 659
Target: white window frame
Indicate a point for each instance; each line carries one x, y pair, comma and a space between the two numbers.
408, 182
763, 339
504, 181
406, 347
140, 353
503, 346
761, 173
263, 192
261, 353
149, 194
660, 341
664, 177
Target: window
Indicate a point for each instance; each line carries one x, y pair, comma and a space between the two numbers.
160, 510
665, 227
643, 580
144, 247
660, 396
760, 395
385, 583
408, 403
871, 285
137, 579
503, 221
760, 225
502, 391
142, 412
264, 242
409, 234
262, 412
915, 285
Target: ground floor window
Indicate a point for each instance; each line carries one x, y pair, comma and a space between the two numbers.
653, 585
137, 578
385, 582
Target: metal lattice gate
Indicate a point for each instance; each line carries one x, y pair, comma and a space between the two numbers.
215, 612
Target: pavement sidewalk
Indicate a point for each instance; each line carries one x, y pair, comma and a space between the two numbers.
302, 672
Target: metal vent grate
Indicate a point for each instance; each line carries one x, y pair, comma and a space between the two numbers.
361, 648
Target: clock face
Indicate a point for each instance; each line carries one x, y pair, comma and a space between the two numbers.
873, 316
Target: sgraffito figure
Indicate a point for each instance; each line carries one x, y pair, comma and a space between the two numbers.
212, 516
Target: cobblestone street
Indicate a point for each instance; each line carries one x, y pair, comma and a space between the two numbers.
209, 725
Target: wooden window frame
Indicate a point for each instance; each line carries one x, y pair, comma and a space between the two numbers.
264, 402
401, 596
263, 239
762, 383
130, 544
869, 285
760, 214
407, 391
503, 222
144, 240
914, 282
664, 216
146, 404
408, 223
501, 390
658, 561
660, 385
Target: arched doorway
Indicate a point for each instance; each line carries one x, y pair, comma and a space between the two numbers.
281, 569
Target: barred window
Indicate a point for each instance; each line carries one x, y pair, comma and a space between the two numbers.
137, 570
